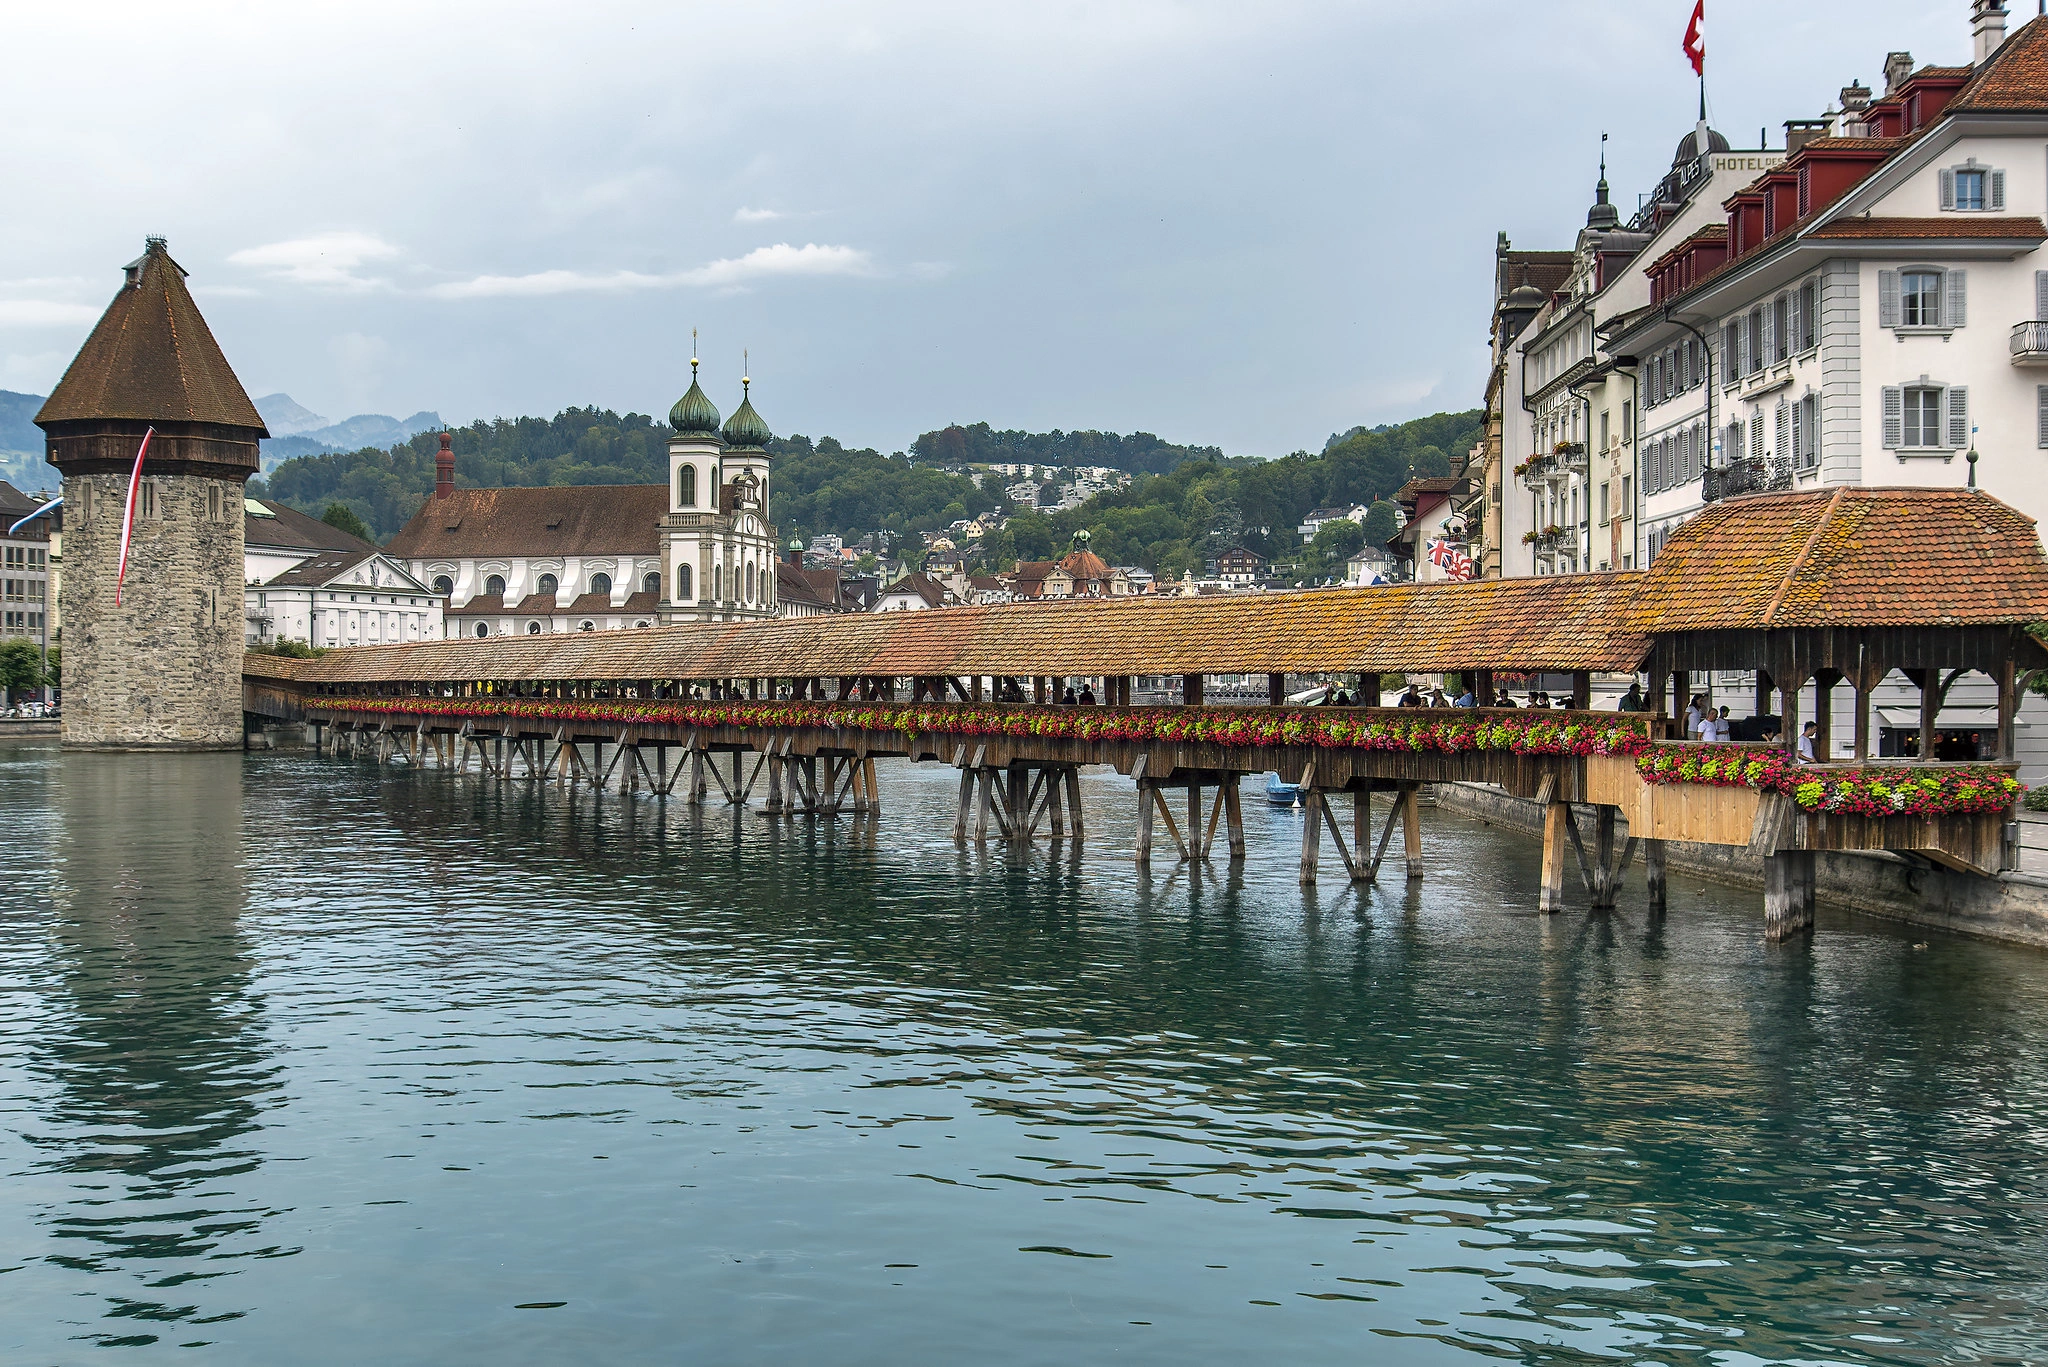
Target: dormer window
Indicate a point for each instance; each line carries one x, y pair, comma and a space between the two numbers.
1973, 188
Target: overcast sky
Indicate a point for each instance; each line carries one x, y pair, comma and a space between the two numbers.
1242, 224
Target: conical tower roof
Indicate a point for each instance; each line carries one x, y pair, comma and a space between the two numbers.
694, 414
745, 429
151, 358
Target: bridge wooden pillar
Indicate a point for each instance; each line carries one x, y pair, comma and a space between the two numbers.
1557, 818
1191, 690
1788, 894
1582, 689
1411, 828
1276, 690
1369, 688
1653, 873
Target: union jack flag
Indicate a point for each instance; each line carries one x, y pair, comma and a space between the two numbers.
1452, 561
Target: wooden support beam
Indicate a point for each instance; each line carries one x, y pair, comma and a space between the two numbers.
1604, 871
1369, 688
1582, 689
1195, 818
1653, 872
1578, 844
1208, 843
1276, 690
1172, 828
1073, 782
1142, 853
1310, 827
1557, 820
1191, 690
2008, 706
1411, 827
1351, 866
1234, 816
1788, 894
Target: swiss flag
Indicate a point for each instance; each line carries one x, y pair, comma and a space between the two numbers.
1696, 39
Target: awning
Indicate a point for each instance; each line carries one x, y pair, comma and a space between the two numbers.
1949, 719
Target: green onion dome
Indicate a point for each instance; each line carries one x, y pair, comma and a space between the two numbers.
744, 429
694, 414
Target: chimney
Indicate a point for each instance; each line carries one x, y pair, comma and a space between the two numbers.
1855, 97
1899, 65
444, 467
1987, 28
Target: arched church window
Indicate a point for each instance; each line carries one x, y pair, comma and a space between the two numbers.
483, 628
533, 628
686, 486
682, 583
651, 582
548, 584
443, 585
750, 583
587, 626
601, 583
717, 583
494, 584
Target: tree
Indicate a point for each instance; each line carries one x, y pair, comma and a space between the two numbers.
21, 667
343, 518
1382, 520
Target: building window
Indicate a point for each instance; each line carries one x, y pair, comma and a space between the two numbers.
682, 583
1627, 496
548, 585
496, 585
146, 499
1809, 299
1922, 417
586, 626
483, 628
1628, 421
533, 628
601, 583
651, 582
1972, 188
1920, 299
717, 583
1780, 318
1603, 503
749, 595
686, 486
443, 585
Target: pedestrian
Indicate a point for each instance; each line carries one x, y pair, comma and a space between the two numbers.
1067, 699
1695, 713
1631, 701
1437, 698
1087, 695
1465, 698
1806, 738
1411, 697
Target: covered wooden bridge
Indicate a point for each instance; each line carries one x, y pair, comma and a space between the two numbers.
1807, 589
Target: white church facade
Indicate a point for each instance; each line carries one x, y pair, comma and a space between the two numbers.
701, 548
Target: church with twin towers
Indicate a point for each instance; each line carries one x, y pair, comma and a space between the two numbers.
701, 548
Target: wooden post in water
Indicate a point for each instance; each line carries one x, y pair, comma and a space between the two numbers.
1411, 827
1603, 857
1653, 872
1073, 780
1233, 817
1550, 896
1788, 894
1142, 855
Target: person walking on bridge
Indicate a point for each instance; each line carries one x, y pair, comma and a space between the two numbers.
1412, 697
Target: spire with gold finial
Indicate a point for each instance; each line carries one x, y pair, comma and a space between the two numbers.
694, 414
745, 430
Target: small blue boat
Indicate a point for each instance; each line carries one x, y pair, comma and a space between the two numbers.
1282, 794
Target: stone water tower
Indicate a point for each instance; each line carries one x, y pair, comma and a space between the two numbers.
163, 670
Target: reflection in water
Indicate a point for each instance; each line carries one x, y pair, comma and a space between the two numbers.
158, 1069
569, 1078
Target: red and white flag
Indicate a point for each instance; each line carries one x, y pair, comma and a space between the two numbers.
128, 517
1696, 39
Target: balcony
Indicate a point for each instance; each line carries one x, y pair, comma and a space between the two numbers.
1549, 541
1745, 477
1537, 471
1570, 457
2029, 343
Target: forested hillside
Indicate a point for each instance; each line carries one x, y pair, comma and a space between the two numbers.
1177, 521
1140, 452
1169, 522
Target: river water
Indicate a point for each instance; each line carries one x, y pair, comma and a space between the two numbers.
304, 1060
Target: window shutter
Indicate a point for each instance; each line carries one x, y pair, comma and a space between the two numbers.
1745, 346
1782, 431
1728, 356
2041, 416
1953, 307
1756, 435
1769, 349
1958, 416
1799, 432
1948, 189
2040, 296
1894, 417
1796, 306
1995, 197
1809, 295
1887, 299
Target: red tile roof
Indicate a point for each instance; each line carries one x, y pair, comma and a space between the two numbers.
578, 519
2024, 228
2014, 80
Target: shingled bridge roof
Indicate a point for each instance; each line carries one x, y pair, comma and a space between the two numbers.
1845, 557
